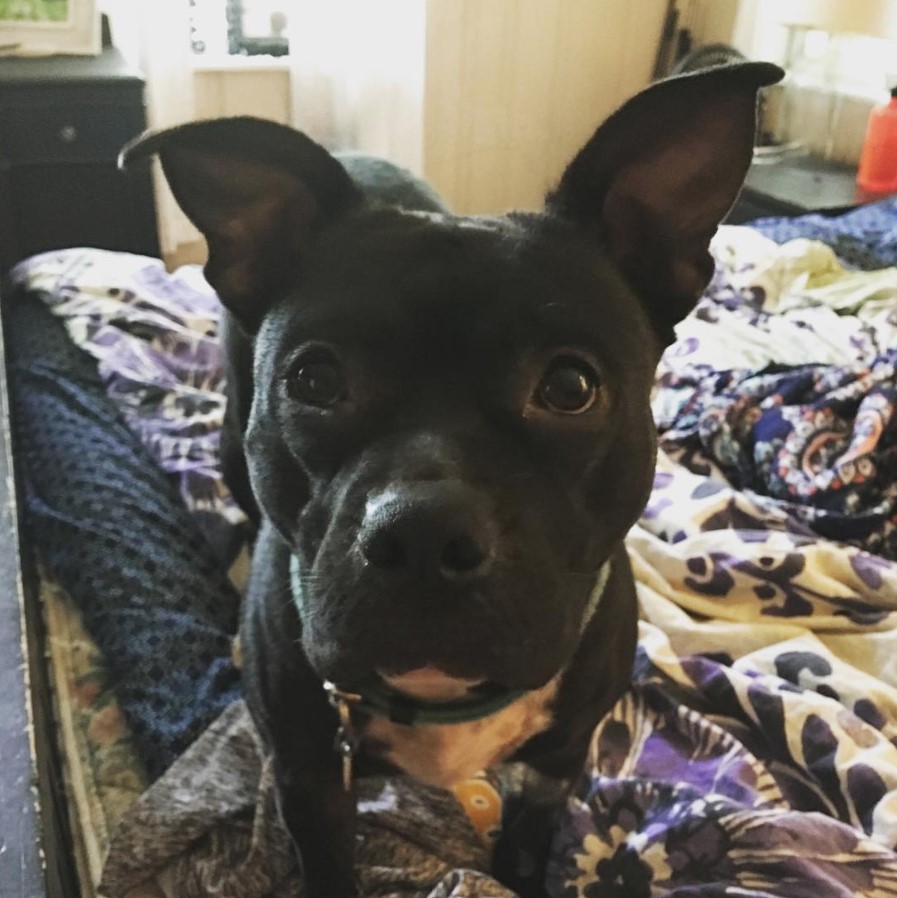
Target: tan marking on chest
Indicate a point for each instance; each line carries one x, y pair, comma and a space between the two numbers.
444, 754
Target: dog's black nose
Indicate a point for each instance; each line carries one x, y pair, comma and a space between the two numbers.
430, 529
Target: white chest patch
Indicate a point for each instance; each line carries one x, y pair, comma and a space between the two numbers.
444, 754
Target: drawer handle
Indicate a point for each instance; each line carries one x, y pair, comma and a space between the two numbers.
68, 133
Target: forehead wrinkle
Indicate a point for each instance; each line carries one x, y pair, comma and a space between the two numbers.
402, 292
461, 316
424, 284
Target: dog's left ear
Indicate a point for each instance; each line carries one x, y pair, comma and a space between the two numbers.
658, 177
257, 191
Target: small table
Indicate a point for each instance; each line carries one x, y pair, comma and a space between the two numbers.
797, 184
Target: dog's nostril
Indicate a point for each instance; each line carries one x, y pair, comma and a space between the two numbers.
384, 550
462, 555
426, 532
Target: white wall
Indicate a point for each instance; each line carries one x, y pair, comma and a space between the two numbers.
515, 87
243, 88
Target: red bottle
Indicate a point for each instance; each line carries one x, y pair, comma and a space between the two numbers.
878, 163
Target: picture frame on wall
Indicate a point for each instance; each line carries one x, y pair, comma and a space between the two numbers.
49, 28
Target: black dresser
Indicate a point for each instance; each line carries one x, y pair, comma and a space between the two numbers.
62, 123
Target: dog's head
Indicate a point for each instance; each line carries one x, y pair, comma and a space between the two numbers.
451, 423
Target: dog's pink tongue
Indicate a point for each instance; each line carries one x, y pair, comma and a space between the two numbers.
430, 684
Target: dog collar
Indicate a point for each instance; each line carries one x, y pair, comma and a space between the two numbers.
376, 698
379, 699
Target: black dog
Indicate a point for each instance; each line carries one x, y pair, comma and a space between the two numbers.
447, 428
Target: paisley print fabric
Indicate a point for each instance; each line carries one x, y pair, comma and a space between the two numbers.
784, 382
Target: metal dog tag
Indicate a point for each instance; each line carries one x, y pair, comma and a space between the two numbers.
347, 753
346, 741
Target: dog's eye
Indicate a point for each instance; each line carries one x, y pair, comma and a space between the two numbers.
317, 381
568, 387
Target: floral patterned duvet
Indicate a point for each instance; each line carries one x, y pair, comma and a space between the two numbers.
756, 754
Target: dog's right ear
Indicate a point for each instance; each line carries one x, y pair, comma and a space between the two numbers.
656, 179
257, 191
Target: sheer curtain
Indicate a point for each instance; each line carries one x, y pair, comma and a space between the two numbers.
356, 71
155, 36
357, 75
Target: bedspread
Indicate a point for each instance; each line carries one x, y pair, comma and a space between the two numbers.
756, 753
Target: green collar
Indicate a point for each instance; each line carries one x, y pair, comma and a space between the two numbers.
377, 699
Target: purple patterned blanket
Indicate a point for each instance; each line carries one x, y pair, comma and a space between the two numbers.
757, 752
784, 384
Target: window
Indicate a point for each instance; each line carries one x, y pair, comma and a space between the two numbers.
833, 79
240, 27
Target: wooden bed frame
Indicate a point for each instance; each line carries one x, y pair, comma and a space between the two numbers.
36, 860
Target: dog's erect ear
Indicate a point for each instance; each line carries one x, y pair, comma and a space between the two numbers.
257, 191
659, 175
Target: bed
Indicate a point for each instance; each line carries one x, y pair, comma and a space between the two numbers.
756, 753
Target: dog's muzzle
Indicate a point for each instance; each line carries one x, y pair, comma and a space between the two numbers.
377, 698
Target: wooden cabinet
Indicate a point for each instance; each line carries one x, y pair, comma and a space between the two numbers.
62, 122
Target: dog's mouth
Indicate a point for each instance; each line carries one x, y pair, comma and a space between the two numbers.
429, 684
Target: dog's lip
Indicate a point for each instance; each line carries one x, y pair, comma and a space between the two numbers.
430, 684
